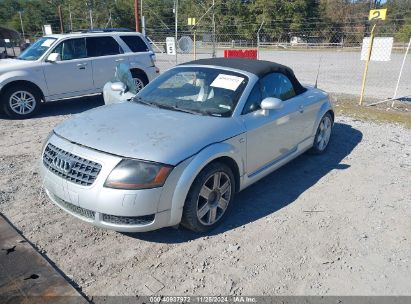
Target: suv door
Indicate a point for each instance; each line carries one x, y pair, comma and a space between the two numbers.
277, 134
105, 54
72, 75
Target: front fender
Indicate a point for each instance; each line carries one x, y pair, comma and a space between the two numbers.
193, 166
34, 76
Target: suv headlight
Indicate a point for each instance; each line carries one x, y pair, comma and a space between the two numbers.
133, 174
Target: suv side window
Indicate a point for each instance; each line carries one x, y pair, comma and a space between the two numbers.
135, 43
254, 100
102, 46
72, 49
277, 85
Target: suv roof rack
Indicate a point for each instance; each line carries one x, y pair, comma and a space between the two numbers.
105, 30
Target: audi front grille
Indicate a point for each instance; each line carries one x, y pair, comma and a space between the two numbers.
71, 167
128, 220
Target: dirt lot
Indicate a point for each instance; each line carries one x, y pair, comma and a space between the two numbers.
336, 224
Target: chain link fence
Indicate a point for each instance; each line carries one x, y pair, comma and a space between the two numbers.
335, 54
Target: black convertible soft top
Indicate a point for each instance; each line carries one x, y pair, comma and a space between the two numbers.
256, 67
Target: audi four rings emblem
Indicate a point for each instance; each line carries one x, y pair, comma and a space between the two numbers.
63, 163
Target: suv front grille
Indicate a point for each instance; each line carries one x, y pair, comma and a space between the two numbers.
71, 167
128, 220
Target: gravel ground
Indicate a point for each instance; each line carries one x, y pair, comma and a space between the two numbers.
340, 72
336, 224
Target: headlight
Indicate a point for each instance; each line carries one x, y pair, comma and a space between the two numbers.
132, 174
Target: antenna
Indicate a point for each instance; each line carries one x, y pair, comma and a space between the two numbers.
318, 72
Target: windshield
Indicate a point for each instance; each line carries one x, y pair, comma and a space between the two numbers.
206, 91
37, 49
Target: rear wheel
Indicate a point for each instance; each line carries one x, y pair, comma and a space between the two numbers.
20, 101
140, 80
209, 199
322, 137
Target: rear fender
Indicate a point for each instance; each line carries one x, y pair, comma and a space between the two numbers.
325, 107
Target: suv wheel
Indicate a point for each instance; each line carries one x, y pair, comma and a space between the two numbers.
20, 101
209, 199
140, 80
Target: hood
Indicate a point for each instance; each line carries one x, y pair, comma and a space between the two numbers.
137, 131
7, 65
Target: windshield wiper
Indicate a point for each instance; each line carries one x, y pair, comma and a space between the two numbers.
186, 110
144, 102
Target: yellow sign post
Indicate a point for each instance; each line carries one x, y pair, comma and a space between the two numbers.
375, 15
192, 21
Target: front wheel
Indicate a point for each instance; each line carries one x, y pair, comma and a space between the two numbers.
323, 134
20, 102
209, 198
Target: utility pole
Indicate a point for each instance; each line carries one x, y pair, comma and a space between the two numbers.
91, 18
136, 13
61, 19
71, 20
143, 20
176, 26
22, 28
214, 55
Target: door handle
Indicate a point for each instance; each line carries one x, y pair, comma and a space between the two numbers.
119, 60
301, 108
82, 66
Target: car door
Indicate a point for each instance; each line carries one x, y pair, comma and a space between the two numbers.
105, 54
276, 134
141, 54
72, 75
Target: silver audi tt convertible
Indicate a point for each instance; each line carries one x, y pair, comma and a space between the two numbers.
181, 149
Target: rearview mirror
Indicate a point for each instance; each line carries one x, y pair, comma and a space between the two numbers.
53, 57
271, 103
118, 87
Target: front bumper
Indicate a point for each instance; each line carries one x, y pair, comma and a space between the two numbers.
99, 219
120, 210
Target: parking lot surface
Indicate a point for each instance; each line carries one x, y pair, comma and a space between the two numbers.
335, 224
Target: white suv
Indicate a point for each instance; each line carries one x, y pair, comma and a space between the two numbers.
71, 65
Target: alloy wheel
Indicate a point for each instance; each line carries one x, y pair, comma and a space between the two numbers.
214, 197
139, 84
324, 133
22, 102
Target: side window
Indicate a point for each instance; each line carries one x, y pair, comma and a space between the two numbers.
72, 49
135, 43
102, 46
254, 100
277, 85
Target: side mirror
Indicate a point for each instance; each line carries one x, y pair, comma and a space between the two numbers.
53, 57
271, 103
118, 87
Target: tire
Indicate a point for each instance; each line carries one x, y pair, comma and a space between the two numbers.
140, 80
323, 135
208, 202
20, 102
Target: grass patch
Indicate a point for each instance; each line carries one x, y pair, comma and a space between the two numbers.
400, 114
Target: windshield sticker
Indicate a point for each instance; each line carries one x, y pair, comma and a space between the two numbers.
228, 82
48, 42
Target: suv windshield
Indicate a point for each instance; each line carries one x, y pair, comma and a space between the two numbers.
206, 91
37, 49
